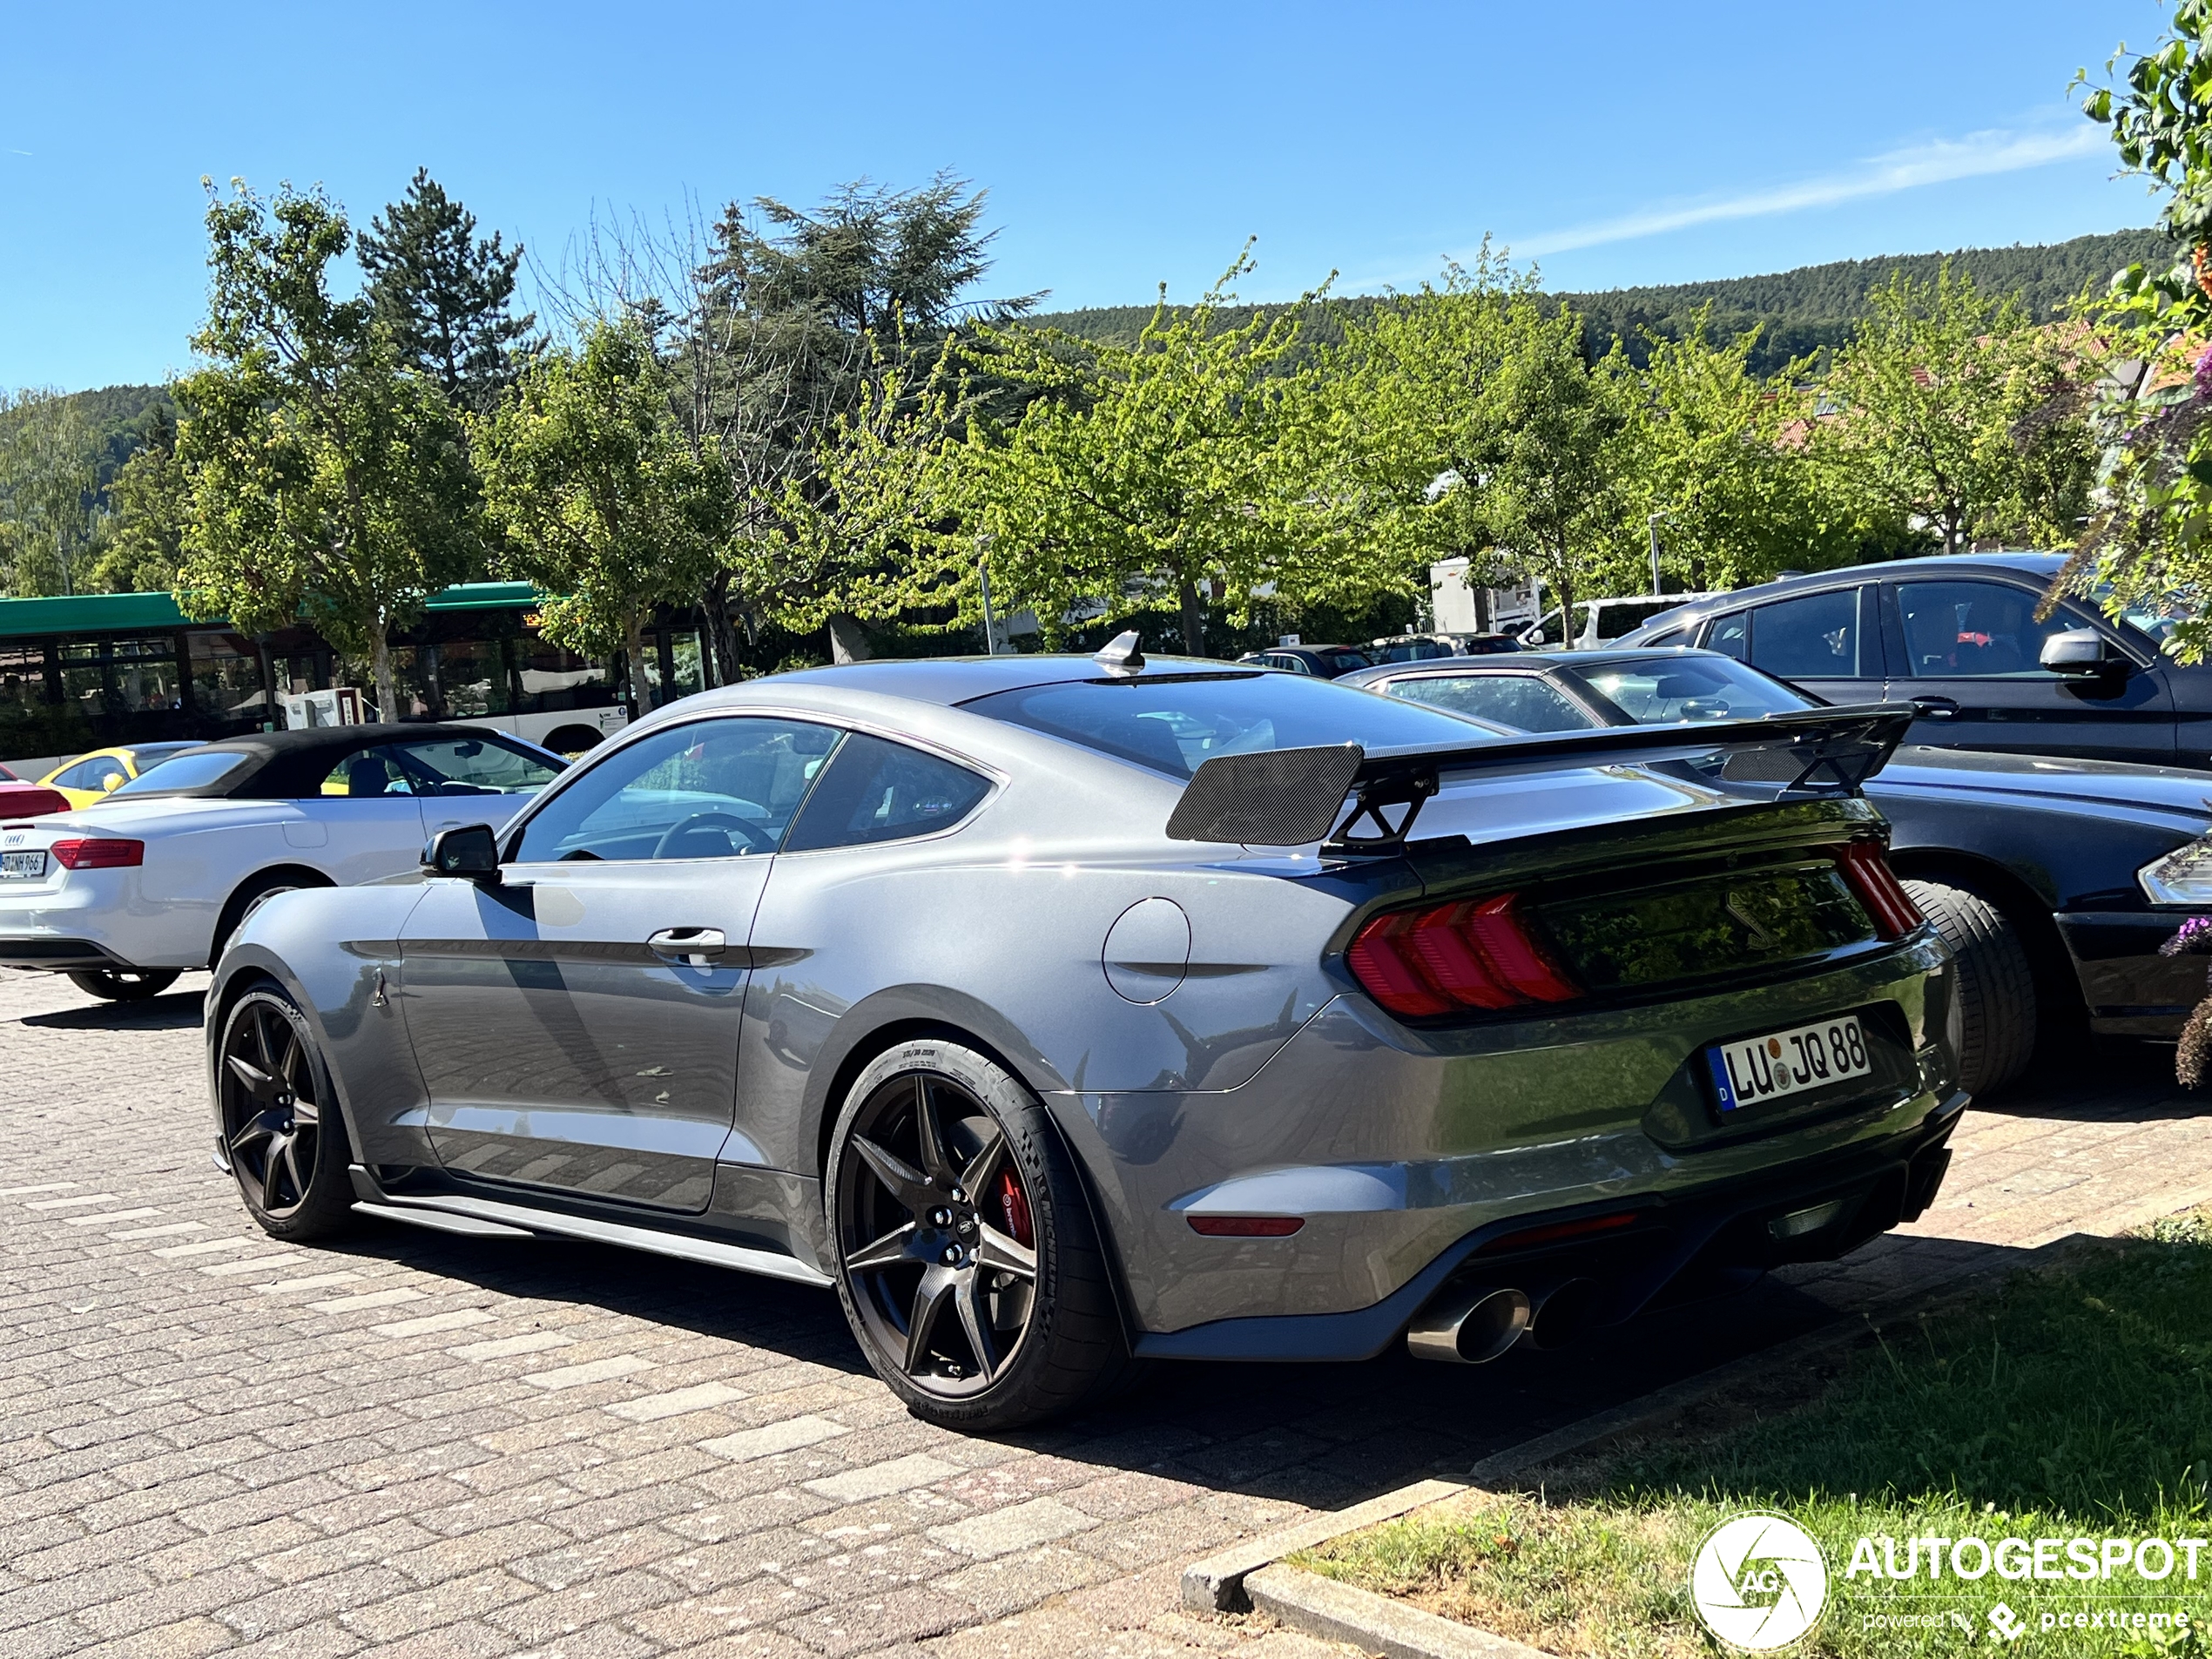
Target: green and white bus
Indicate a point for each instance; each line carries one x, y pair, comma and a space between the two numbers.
87, 671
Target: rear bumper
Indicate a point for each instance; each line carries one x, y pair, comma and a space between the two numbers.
56, 956
2129, 989
1681, 1243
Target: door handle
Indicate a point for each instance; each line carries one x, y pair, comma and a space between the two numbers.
695, 946
1935, 708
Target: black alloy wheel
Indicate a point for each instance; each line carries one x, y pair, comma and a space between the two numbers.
967, 1261
282, 1135
124, 984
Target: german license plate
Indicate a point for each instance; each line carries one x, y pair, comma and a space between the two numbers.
1755, 1069
24, 865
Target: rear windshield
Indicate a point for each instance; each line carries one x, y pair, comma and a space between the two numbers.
1175, 725
184, 772
1661, 691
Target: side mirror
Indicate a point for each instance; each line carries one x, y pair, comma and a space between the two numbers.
469, 851
2079, 651
109, 782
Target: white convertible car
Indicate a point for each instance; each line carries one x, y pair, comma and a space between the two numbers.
125, 895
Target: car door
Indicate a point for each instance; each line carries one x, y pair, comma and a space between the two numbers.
363, 822
577, 1023
1825, 643
1966, 650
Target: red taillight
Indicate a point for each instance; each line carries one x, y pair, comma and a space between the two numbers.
1466, 955
1246, 1226
98, 852
1559, 1232
1879, 890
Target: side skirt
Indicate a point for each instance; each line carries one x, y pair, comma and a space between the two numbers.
525, 1218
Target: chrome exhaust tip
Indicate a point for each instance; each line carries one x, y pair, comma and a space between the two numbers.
1469, 1328
1560, 1314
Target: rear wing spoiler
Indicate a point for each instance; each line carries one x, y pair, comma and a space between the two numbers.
1292, 797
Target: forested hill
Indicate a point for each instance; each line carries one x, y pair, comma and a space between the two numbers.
118, 419
1801, 311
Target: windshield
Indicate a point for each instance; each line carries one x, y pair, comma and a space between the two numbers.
1174, 726
180, 772
1662, 690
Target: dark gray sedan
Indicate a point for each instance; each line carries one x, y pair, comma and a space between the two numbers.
1059, 1010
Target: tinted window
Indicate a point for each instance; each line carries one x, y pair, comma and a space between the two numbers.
1731, 636
1521, 701
473, 766
1691, 688
1815, 637
884, 791
1175, 725
703, 790
185, 771
1672, 637
1618, 616
1974, 628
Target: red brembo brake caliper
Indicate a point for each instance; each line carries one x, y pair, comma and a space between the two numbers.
1015, 1208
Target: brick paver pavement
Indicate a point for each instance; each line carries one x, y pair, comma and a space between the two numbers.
412, 1444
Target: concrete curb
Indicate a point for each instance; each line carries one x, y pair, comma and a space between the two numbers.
1321, 1607
1217, 1584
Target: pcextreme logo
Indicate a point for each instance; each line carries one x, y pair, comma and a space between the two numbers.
1758, 1582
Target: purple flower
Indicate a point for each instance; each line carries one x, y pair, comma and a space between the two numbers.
2193, 939
2204, 374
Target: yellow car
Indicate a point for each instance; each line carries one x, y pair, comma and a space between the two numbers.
88, 777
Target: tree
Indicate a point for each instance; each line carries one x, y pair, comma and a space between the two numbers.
1961, 413
1549, 489
445, 295
1718, 452
328, 476
151, 506
50, 527
602, 500
1152, 479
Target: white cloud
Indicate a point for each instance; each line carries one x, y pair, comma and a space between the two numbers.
1977, 155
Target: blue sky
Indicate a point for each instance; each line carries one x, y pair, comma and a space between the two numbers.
1122, 147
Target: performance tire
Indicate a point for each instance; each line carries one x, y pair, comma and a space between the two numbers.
966, 1260
282, 1132
1996, 984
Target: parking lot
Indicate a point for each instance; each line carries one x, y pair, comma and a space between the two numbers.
415, 1444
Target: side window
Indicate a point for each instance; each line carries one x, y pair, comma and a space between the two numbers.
368, 771
90, 774
1672, 637
876, 791
707, 789
1518, 700
472, 766
1977, 629
1815, 637
1731, 636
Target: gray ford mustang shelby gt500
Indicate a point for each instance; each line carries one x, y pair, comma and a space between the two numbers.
1058, 1010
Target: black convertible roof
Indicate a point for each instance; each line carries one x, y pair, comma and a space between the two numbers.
291, 765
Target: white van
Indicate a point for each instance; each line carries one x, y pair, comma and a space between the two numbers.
1603, 621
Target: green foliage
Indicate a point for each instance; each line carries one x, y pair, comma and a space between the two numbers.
601, 498
2161, 120
329, 475
50, 523
445, 295
151, 508
1959, 412
1147, 479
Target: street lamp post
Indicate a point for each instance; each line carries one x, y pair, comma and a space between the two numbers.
1651, 523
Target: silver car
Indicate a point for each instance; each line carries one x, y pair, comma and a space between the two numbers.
1062, 1011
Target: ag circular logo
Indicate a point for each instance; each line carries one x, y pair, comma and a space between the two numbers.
1758, 1582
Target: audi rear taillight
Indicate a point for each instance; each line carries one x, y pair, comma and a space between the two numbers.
98, 852
1470, 953
1887, 902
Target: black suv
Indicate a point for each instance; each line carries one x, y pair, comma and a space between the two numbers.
1958, 637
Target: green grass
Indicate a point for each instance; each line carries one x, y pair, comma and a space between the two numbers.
2072, 1402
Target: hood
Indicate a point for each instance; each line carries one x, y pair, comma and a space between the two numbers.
2106, 783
